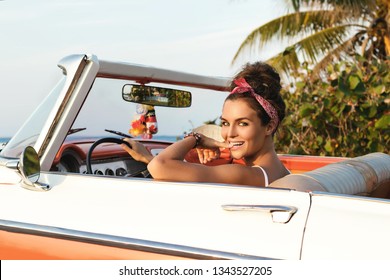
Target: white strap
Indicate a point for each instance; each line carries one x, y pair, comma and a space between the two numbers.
265, 175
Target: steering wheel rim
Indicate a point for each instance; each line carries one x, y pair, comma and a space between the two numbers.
105, 140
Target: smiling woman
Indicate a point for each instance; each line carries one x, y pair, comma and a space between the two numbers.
250, 116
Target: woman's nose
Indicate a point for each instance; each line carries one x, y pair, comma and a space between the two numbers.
231, 131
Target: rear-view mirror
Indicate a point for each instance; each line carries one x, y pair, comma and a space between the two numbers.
156, 96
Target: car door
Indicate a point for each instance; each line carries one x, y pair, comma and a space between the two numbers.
347, 227
245, 222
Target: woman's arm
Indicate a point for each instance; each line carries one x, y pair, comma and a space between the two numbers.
140, 153
170, 164
180, 171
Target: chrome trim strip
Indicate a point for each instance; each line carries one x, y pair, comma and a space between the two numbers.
122, 242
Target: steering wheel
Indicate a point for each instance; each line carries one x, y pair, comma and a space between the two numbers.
143, 171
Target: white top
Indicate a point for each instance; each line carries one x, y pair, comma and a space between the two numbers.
265, 175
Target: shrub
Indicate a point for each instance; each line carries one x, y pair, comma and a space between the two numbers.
345, 113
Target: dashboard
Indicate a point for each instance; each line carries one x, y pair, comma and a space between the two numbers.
108, 159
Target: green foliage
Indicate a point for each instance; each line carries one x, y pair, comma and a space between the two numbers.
320, 31
344, 113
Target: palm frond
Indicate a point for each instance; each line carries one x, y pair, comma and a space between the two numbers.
354, 8
321, 46
318, 44
285, 62
321, 30
289, 27
335, 54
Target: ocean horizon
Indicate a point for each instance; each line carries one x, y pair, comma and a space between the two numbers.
4, 139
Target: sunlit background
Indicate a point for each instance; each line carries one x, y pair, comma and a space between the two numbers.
199, 36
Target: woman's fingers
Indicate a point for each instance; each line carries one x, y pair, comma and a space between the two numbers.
200, 155
211, 154
128, 149
223, 145
137, 150
207, 155
217, 153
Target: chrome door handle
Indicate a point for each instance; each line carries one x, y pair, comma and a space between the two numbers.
280, 213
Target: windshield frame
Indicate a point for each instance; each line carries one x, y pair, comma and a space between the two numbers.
56, 113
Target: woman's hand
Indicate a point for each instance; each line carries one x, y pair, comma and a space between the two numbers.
208, 149
137, 150
210, 143
207, 155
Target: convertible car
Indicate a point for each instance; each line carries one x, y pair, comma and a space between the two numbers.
69, 191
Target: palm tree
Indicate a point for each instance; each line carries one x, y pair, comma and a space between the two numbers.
324, 30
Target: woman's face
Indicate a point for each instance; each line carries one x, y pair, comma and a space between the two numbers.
242, 128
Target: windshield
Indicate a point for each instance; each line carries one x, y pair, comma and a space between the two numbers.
28, 134
105, 109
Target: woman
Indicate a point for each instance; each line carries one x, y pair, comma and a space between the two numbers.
250, 116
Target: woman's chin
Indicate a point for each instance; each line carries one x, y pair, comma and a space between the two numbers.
236, 155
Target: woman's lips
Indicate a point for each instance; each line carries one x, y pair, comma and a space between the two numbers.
235, 145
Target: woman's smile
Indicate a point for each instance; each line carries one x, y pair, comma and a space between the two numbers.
236, 145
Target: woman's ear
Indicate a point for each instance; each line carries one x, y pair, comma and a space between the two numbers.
270, 128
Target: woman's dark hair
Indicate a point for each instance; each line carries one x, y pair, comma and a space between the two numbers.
265, 81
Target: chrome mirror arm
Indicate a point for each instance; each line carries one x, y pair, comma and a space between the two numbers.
37, 186
29, 169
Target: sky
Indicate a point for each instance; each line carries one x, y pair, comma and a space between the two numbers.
197, 36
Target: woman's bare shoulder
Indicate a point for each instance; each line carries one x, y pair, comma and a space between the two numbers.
238, 174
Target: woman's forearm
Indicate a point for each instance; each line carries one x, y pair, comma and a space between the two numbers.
161, 164
178, 150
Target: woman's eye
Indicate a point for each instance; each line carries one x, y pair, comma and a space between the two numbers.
243, 124
224, 123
